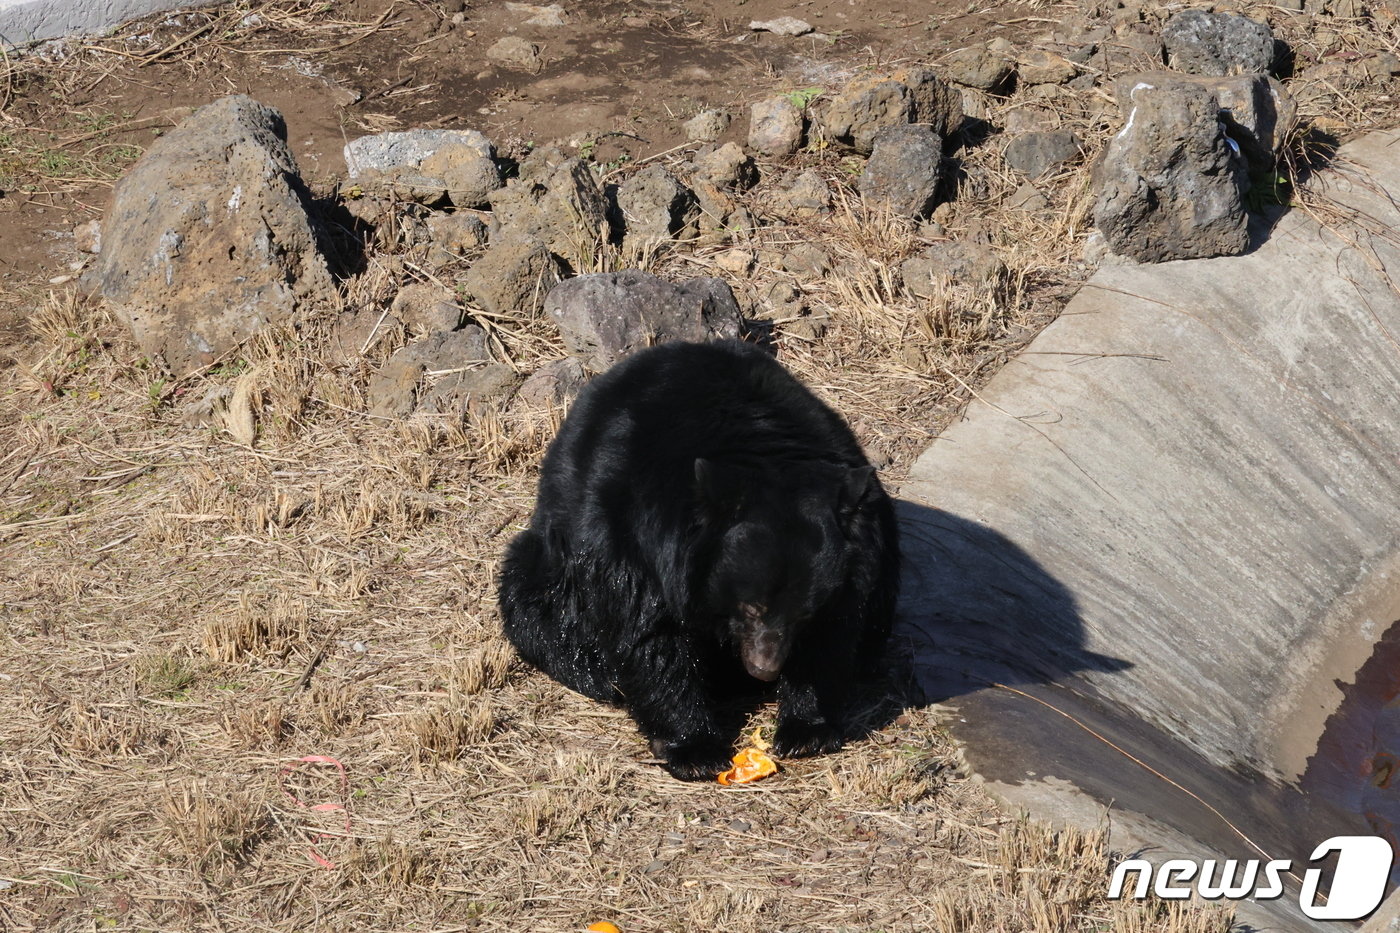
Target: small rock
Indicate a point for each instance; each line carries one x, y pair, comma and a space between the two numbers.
1141, 43
1039, 67
1169, 186
1034, 154
1028, 119
453, 392
706, 126
1204, 43
721, 218
655, 208
782, 26
1027, 198
782, 301
467, 179
807, 196
775, 127
806, 261
931, 272
384, 152
904, 170
553, 383
515, 52
456, 233
345, 96
87, 237
726, 167
427, 308
355, 332
967, 261
547, 16
736, 262
606, 316
805, 328
1080, 55
981, 66
393, 391
512, 276
1380, 65
427, 165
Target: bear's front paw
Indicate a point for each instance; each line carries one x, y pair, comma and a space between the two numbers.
694, 761
797, 738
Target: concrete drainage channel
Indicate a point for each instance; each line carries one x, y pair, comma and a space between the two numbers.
1154, 574
24, 21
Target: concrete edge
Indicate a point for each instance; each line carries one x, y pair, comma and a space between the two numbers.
26, 21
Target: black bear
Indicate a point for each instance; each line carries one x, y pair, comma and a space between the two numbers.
702, 515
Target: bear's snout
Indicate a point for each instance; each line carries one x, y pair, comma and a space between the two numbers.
763, 645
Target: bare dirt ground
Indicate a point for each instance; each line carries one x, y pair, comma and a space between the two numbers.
201, 626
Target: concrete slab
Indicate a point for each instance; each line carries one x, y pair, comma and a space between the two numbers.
1169, 532
23, 21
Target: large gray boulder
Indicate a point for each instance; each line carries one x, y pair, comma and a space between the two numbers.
427, 164
207, 241
1169, 184
558, 201
605, 317
903, 170
655, 208
1256, 111
867, 105
1204, 43
987, 67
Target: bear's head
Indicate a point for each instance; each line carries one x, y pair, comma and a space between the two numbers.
779, 545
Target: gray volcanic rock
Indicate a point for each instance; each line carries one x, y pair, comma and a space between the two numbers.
606, 316
1204, 43
1170, 186
904, 169
207, 240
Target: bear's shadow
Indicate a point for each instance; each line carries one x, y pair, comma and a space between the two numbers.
974, 610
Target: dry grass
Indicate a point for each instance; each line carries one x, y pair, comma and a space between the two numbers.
188, 612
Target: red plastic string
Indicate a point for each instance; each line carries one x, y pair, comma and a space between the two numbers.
312, 852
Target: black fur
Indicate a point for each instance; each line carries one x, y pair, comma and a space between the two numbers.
700, 514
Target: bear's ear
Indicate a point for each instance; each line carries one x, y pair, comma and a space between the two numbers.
720, 486
860, 483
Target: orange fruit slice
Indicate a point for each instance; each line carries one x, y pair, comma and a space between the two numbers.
751, 764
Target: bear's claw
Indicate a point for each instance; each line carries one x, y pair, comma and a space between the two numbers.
798, 739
